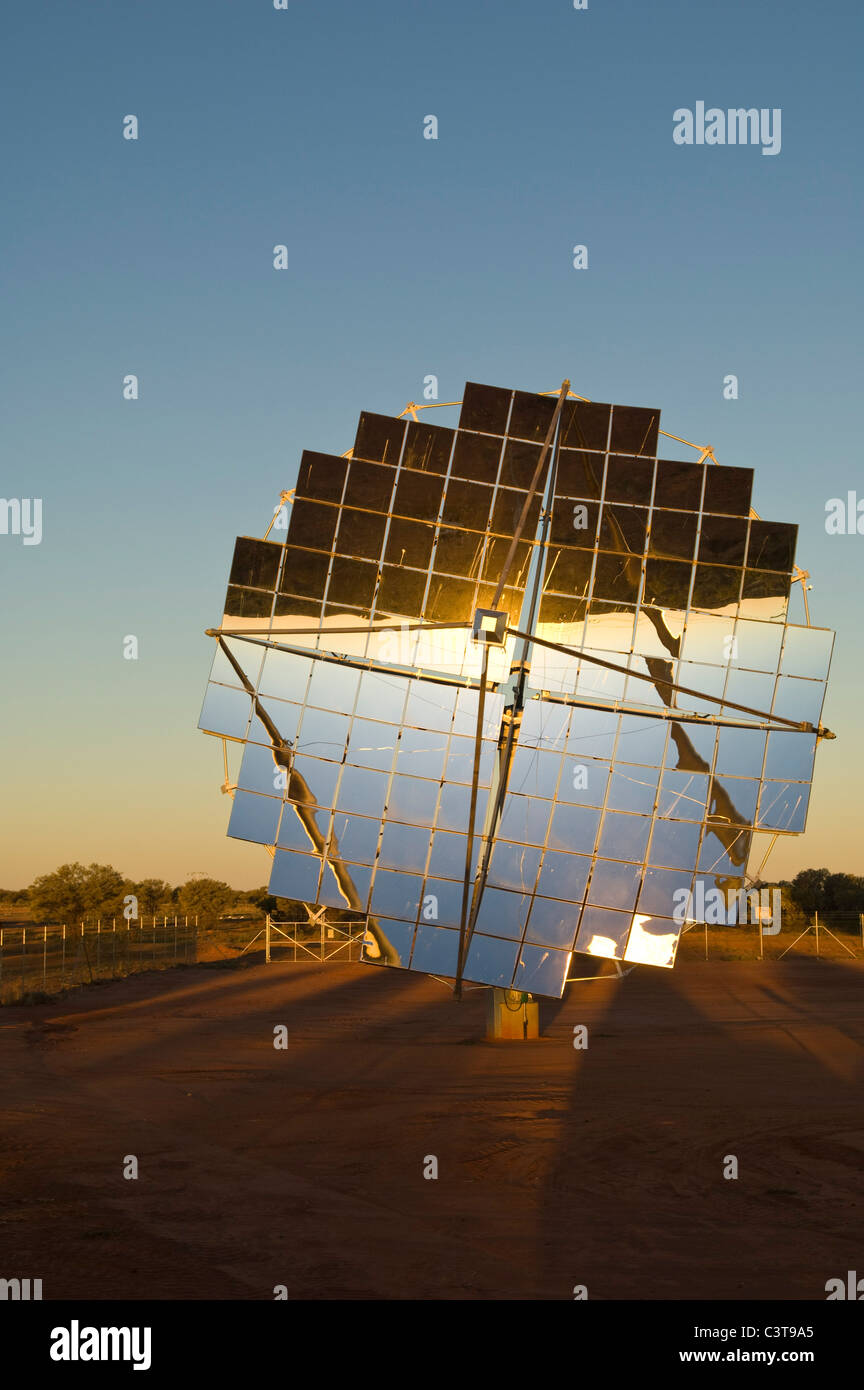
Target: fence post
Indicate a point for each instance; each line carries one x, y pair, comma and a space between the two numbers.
44, 955
816, 924
86, 953
761, 937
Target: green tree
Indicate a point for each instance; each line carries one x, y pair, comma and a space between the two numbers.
74, 891
807, 889
205, 898
844, 893
152, 894
104, 891
13, 895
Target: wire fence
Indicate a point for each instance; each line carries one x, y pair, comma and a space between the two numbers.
832, 936
45, 960
315, 939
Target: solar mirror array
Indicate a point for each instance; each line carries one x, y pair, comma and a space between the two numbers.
508, 689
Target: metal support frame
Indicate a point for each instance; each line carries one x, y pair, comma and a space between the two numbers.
816, 926
590, 979
518, 674
316, 918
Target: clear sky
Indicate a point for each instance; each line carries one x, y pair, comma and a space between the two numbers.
407, 257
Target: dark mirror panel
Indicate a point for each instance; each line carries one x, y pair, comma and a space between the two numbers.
360, 533
304, 572
459, 552
497, 549
485, 408
312, 524
616, 578
255, 564
418, 496
467, 505
476, 456
634, 430
379, 438
519, 463
760, 584
321, 476
288, 607
247, 603
409, 543
727, 490
574, 523
623, 529
580, 474
715, 586
450, 600
723, 540
673, 535
401, 592
585, 425
427, 447
531, 416
772, 546
352, 582
678, 485
507, 510
369, 485
558, 608
568, 571
628, 480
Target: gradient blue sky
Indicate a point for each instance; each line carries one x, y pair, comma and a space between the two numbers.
407, 257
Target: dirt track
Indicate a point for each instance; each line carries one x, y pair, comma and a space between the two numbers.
557, 1167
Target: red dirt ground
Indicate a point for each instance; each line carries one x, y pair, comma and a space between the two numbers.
557, 1167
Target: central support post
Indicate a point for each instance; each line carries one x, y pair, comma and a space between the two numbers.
511, 1015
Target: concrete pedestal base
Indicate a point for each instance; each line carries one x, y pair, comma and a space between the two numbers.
510, 1014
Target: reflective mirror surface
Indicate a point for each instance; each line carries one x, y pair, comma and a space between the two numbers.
636, 751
